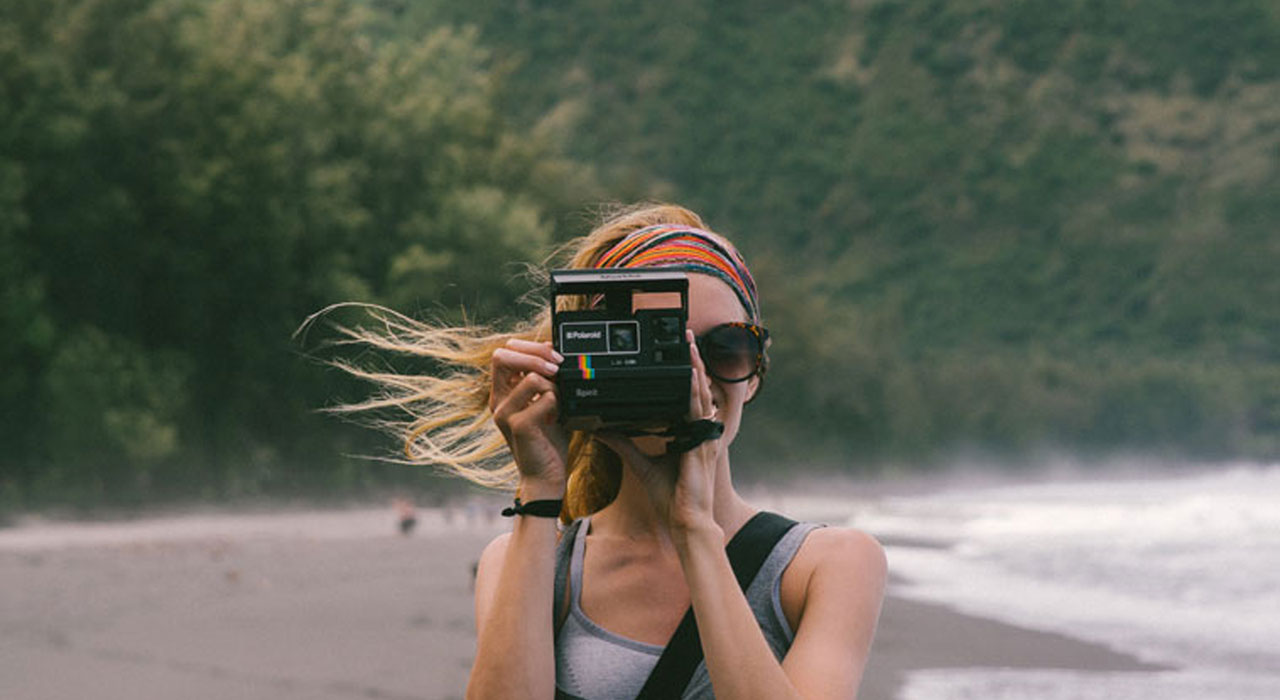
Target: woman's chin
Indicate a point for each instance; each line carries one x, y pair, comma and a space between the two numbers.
651, 446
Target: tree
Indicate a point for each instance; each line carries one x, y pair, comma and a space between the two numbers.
192, 179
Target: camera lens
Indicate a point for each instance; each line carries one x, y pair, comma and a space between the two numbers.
622, 337
666, 329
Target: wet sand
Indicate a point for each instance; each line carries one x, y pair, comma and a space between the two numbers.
334, 605
916, 636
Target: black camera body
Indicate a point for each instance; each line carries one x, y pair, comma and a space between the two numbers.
627, 367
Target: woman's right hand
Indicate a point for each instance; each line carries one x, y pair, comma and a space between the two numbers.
523, 404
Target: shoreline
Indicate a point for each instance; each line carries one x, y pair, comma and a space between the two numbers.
336, 604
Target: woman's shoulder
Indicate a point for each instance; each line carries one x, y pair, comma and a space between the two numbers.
842, 545
839, 548
833, 562
492, 554
497, 546
488, 568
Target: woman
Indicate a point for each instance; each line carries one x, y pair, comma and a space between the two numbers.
587, 614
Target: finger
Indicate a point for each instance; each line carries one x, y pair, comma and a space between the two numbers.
701, 404
519, 398
529, 347
528, 389
538, 413
511, 361
509, 366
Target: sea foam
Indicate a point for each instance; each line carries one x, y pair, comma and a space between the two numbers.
1182, 571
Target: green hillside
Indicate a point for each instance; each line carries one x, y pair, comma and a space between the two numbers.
979, 227
994, 225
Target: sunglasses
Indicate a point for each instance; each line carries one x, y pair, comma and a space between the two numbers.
734, 352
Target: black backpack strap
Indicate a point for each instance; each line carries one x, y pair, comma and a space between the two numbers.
747, 551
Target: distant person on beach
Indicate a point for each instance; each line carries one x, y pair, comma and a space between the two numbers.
615, 540
406, 515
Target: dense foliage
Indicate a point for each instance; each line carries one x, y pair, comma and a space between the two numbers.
998, 226
977, 225
185, 181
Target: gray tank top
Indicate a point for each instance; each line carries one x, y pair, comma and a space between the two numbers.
595, 664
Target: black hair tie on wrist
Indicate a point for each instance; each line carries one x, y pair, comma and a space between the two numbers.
541, 509
690, 435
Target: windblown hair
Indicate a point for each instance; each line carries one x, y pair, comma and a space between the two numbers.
443, 418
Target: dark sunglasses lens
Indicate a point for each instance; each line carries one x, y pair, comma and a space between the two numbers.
730, 352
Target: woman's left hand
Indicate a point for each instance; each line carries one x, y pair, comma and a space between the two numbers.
681, 487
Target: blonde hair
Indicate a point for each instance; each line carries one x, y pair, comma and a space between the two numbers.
443, 418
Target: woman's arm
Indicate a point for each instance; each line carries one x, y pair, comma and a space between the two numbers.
515, 653
840, 609
841, 606
841, 599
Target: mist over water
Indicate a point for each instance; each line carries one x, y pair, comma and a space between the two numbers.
1182, 571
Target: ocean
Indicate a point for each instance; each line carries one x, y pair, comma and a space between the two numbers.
1183, 571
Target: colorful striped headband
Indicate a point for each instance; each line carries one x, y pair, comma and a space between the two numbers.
689, 249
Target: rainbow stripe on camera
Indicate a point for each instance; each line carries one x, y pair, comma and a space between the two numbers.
584, 365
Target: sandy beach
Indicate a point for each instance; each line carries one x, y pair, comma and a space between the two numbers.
334, 604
